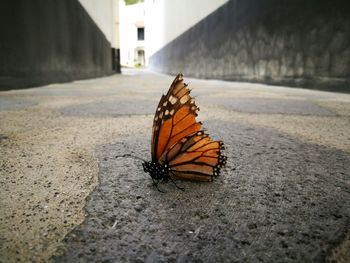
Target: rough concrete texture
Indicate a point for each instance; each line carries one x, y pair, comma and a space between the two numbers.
283, 195
299, 43
50, 41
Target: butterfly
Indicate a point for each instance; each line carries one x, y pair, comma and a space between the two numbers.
180, 148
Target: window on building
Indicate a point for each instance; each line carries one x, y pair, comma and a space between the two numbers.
140, 33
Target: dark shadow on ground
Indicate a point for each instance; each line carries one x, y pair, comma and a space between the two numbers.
278, 200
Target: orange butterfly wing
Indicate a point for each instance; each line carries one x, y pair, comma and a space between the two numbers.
196, 157
174, 118
177, 139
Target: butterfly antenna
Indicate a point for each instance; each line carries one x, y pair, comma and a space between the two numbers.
131, 156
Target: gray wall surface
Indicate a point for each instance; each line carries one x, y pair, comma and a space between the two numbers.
46, 41
288, 42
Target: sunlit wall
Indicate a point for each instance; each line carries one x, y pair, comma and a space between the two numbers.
106, 16
167, 19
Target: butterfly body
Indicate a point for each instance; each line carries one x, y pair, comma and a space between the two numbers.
180, 147
157, 171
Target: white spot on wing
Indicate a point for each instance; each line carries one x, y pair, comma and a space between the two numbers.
184, 99
172, 99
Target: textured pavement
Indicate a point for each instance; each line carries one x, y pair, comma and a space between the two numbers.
283, 196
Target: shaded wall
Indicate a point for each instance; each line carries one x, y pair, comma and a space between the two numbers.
46, 41
288, 42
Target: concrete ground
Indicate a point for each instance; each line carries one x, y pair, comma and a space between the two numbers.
283, 196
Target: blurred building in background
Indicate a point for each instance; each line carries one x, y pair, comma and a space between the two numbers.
132, 35
286, 42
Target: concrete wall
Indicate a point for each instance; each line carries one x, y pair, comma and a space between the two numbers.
290, 42
46, 41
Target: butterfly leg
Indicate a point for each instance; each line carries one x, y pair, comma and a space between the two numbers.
155, 183
178, 187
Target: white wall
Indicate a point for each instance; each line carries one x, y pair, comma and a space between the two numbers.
105, 14
167, 19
